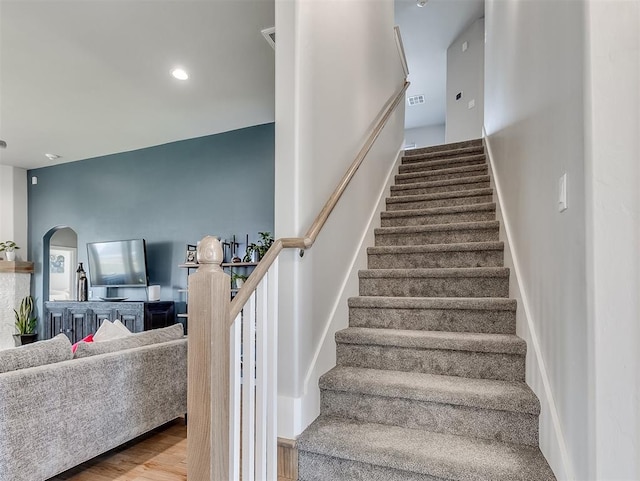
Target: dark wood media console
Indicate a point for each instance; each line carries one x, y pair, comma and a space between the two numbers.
79, 319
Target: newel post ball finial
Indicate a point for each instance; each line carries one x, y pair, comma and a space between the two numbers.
210, 251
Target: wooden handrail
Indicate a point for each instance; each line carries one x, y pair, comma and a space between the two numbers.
401, 52
307, 241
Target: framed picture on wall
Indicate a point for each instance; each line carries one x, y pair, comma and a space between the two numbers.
190, 257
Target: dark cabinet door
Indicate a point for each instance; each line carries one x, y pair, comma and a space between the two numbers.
159, 314
131, 316
54, 321
80, 323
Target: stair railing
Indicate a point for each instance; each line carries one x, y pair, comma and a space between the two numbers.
232, 351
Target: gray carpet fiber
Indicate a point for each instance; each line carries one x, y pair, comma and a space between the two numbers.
429, 382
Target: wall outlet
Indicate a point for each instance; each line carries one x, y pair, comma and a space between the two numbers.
34, 180
562, 193
472, 103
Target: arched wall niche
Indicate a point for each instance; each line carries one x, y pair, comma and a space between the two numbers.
60, 254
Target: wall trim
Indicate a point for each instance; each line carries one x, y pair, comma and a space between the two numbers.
546, 397
367, 231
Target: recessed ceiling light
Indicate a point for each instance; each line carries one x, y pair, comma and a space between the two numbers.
52, 156
3, 144
422, 3
179, 74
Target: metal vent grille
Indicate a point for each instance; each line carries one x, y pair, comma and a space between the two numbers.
415, 100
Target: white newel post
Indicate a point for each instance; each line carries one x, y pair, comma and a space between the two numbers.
15, 284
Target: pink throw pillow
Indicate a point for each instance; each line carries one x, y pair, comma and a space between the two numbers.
89, 338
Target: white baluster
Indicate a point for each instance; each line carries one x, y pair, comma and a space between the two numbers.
234, 427
248, 389
272, 370
262, 381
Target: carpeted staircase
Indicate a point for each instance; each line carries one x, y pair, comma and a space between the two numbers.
429, 382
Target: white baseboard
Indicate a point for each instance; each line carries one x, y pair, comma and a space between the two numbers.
552, 442
295, 414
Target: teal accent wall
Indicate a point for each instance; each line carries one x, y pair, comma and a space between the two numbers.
171, 195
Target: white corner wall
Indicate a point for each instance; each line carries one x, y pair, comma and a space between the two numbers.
613, 235
13, 207
336, 65
534, 120
465, 74
424, 136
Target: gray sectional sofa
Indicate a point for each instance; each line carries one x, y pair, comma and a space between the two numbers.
57, 410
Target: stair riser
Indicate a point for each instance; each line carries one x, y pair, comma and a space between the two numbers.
438, 165
434, 176
478, 365
435, 287
452, 320
436, 259
505, 426
409, 159
437, 237
430, 219
439, 188
317, 467
446, 147
427, 204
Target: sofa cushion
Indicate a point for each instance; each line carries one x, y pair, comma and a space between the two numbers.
138, 339
37, 354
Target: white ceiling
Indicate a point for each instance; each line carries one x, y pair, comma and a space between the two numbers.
427, 32
85, 78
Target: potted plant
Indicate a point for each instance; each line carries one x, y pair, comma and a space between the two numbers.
256, 251
238, 279
25, 322
9, 247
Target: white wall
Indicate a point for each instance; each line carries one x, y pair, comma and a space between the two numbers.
534, 118
336, 65
13, 207
465, 74
424, 136
613, 235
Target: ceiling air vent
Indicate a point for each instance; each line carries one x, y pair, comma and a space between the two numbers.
270, 35
415, 100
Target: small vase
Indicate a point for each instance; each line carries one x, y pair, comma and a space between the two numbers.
239, 283
10, 255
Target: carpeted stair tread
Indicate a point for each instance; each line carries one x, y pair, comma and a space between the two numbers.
476, 303
445, 147
441, 174
463, 151
414, 229
454, 314
398, 189
441, 456
441, 340
459, 391
399, 199
454, 209
442, 164
429, 248
447, 272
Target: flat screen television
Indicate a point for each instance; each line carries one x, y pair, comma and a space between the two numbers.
121, 263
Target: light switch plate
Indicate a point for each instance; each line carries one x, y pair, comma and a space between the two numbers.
562, 193
472, 103
465, 46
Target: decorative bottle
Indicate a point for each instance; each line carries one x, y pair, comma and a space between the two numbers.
82, 284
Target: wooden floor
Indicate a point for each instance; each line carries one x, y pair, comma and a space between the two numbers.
158, 456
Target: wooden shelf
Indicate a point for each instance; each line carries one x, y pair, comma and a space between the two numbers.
224, 264
16, 267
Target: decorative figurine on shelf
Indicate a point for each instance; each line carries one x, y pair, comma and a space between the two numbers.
234, 251
82, 293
